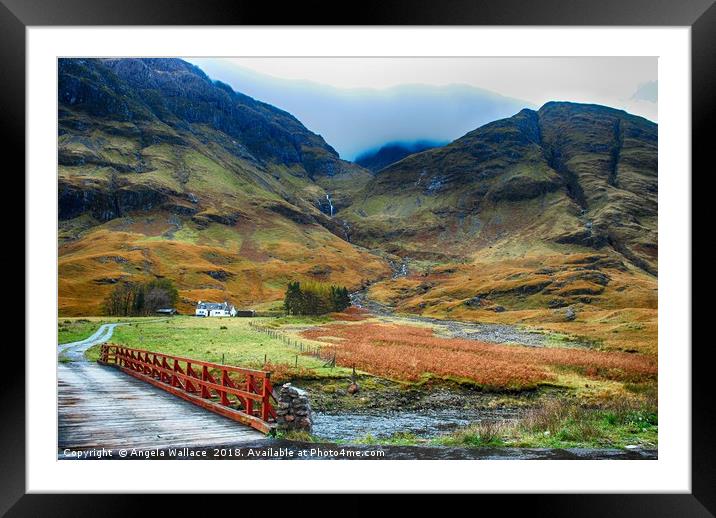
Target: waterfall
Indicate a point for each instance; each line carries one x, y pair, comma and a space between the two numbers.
330, 203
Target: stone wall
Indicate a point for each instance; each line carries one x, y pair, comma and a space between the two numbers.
294, 410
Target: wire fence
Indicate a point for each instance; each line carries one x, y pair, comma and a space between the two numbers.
327, 353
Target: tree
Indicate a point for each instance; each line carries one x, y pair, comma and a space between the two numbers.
343, 300
165, 293
136, 299
115, 303
138, 305
338, 296
292, 302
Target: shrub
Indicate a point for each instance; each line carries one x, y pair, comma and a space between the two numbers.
484, 433
548, 417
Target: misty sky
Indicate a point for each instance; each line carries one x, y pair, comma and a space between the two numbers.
358, 104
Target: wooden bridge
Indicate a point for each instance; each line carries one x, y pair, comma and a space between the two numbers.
119, 404
240, 394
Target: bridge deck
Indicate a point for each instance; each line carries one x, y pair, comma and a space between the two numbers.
102, 407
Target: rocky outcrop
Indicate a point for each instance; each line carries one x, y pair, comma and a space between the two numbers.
219, 275
106, 202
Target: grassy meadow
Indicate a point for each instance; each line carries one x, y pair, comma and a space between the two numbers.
572, 396
229, 340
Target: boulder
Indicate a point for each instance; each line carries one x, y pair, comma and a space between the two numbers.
570, 314
474, 302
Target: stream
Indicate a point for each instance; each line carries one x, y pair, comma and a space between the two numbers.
381, 425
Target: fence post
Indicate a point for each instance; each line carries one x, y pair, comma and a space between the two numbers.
224, 396
175, 378
205, 377
165, 365
249, 388
265, 402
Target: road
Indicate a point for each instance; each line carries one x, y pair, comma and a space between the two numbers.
75, 351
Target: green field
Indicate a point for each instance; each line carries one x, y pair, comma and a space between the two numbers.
228, 340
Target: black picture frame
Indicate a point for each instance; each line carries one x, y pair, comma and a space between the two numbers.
700, 15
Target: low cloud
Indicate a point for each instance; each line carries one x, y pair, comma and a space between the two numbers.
648, 91
355, 120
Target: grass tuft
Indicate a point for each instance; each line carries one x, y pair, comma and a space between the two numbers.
564, 424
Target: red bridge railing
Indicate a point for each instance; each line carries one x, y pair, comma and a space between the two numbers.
240, 394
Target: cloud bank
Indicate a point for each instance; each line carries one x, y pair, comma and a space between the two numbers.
360, 119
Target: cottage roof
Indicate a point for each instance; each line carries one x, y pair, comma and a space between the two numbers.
214, 305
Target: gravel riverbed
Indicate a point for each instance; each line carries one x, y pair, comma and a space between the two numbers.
492, 333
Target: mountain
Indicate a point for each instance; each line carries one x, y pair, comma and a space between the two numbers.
595, 166
166, 173
569, 185
163, 172
392, 152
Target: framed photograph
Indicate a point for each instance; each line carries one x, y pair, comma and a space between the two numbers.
454, 244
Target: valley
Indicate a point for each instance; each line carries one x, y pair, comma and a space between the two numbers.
512, 214
510, 276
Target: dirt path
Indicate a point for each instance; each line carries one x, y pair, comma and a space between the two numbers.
493, 333
75, 351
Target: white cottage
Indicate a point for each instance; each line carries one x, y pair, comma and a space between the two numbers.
215, 309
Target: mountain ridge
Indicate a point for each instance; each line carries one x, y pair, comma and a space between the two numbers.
391, 152
606, 179
166, 173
